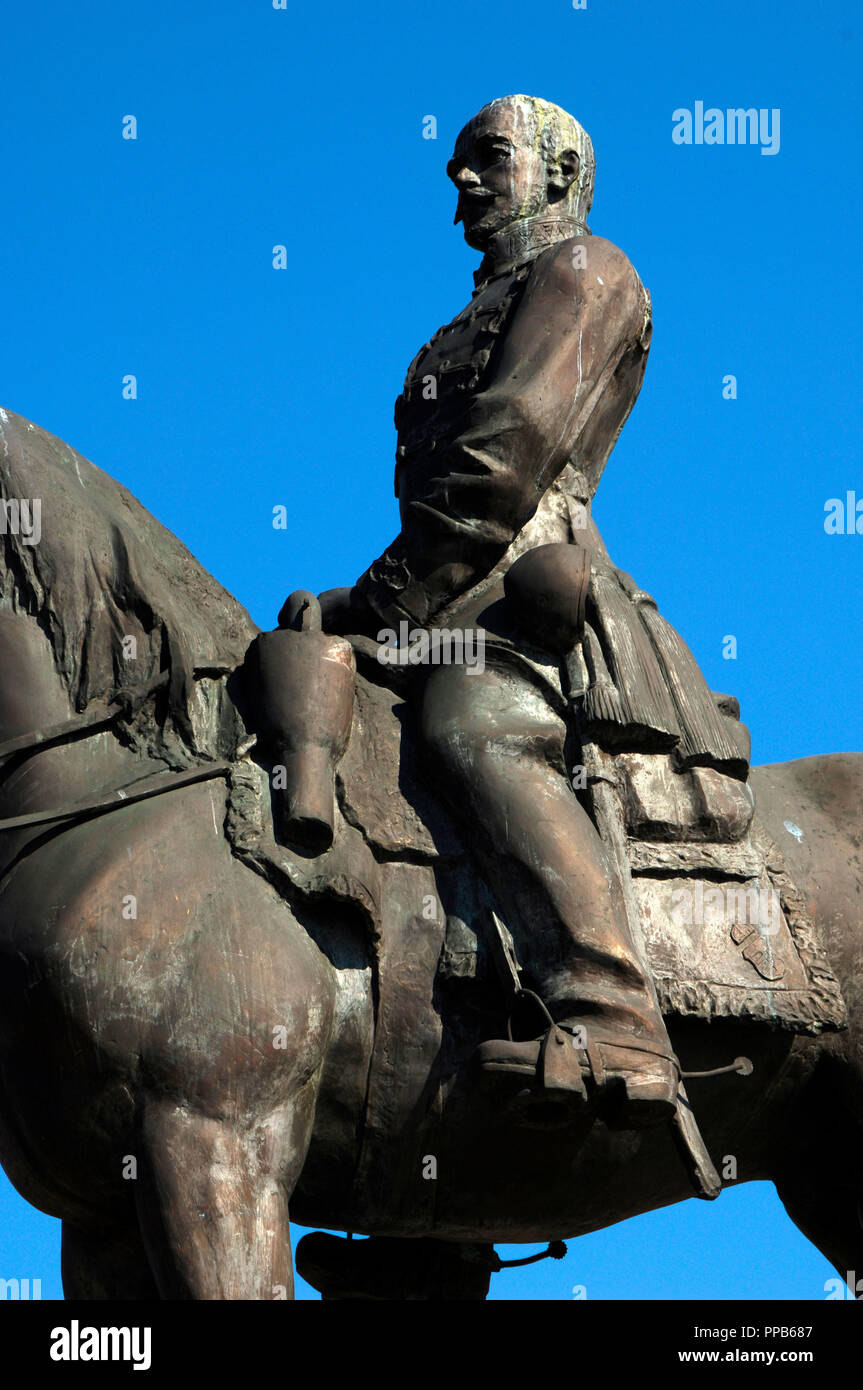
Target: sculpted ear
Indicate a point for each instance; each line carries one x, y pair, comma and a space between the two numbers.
563, 171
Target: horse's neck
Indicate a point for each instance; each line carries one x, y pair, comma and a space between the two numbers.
33, 698
32, 694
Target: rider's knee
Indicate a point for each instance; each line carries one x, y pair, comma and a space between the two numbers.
453, 740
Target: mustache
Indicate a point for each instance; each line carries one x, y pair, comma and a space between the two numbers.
471, 195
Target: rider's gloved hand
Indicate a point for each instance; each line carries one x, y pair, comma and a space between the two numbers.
345, 611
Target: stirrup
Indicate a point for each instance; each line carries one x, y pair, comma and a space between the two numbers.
647, 1101
635, 1100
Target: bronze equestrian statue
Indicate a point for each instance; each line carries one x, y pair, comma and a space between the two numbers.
448, 912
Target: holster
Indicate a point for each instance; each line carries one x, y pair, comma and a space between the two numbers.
303, 684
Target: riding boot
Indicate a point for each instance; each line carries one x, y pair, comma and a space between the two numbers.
603, 1044
634, 1085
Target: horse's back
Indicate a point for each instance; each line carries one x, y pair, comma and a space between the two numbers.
812, 807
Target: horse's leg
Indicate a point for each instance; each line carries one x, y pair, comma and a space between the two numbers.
829, 1219
812, 809
819, 1172
224, 1131
100, 1264
214, 1200
822, 1191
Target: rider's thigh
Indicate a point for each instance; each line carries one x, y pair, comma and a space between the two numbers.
467, 715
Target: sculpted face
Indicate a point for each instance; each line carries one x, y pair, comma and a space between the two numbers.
501, 172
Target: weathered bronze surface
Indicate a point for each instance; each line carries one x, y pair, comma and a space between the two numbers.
448, 912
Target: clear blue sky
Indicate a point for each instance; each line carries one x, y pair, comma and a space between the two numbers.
304, 127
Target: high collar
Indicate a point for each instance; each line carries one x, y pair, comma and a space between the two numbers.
524, 240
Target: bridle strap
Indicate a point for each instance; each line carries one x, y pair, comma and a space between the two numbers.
112, 801
101, 716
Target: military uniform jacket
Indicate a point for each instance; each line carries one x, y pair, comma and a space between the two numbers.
520, 397
540, 370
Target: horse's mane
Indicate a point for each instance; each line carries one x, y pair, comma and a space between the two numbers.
103, 570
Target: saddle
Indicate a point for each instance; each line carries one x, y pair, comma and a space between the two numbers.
726, 933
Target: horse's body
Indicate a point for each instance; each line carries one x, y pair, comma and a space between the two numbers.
150, 1036
145, 973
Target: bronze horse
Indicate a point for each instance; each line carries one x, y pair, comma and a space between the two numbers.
145, 971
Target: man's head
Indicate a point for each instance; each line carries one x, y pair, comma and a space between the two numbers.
520, 157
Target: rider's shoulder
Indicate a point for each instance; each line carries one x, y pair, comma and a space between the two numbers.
568, 263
